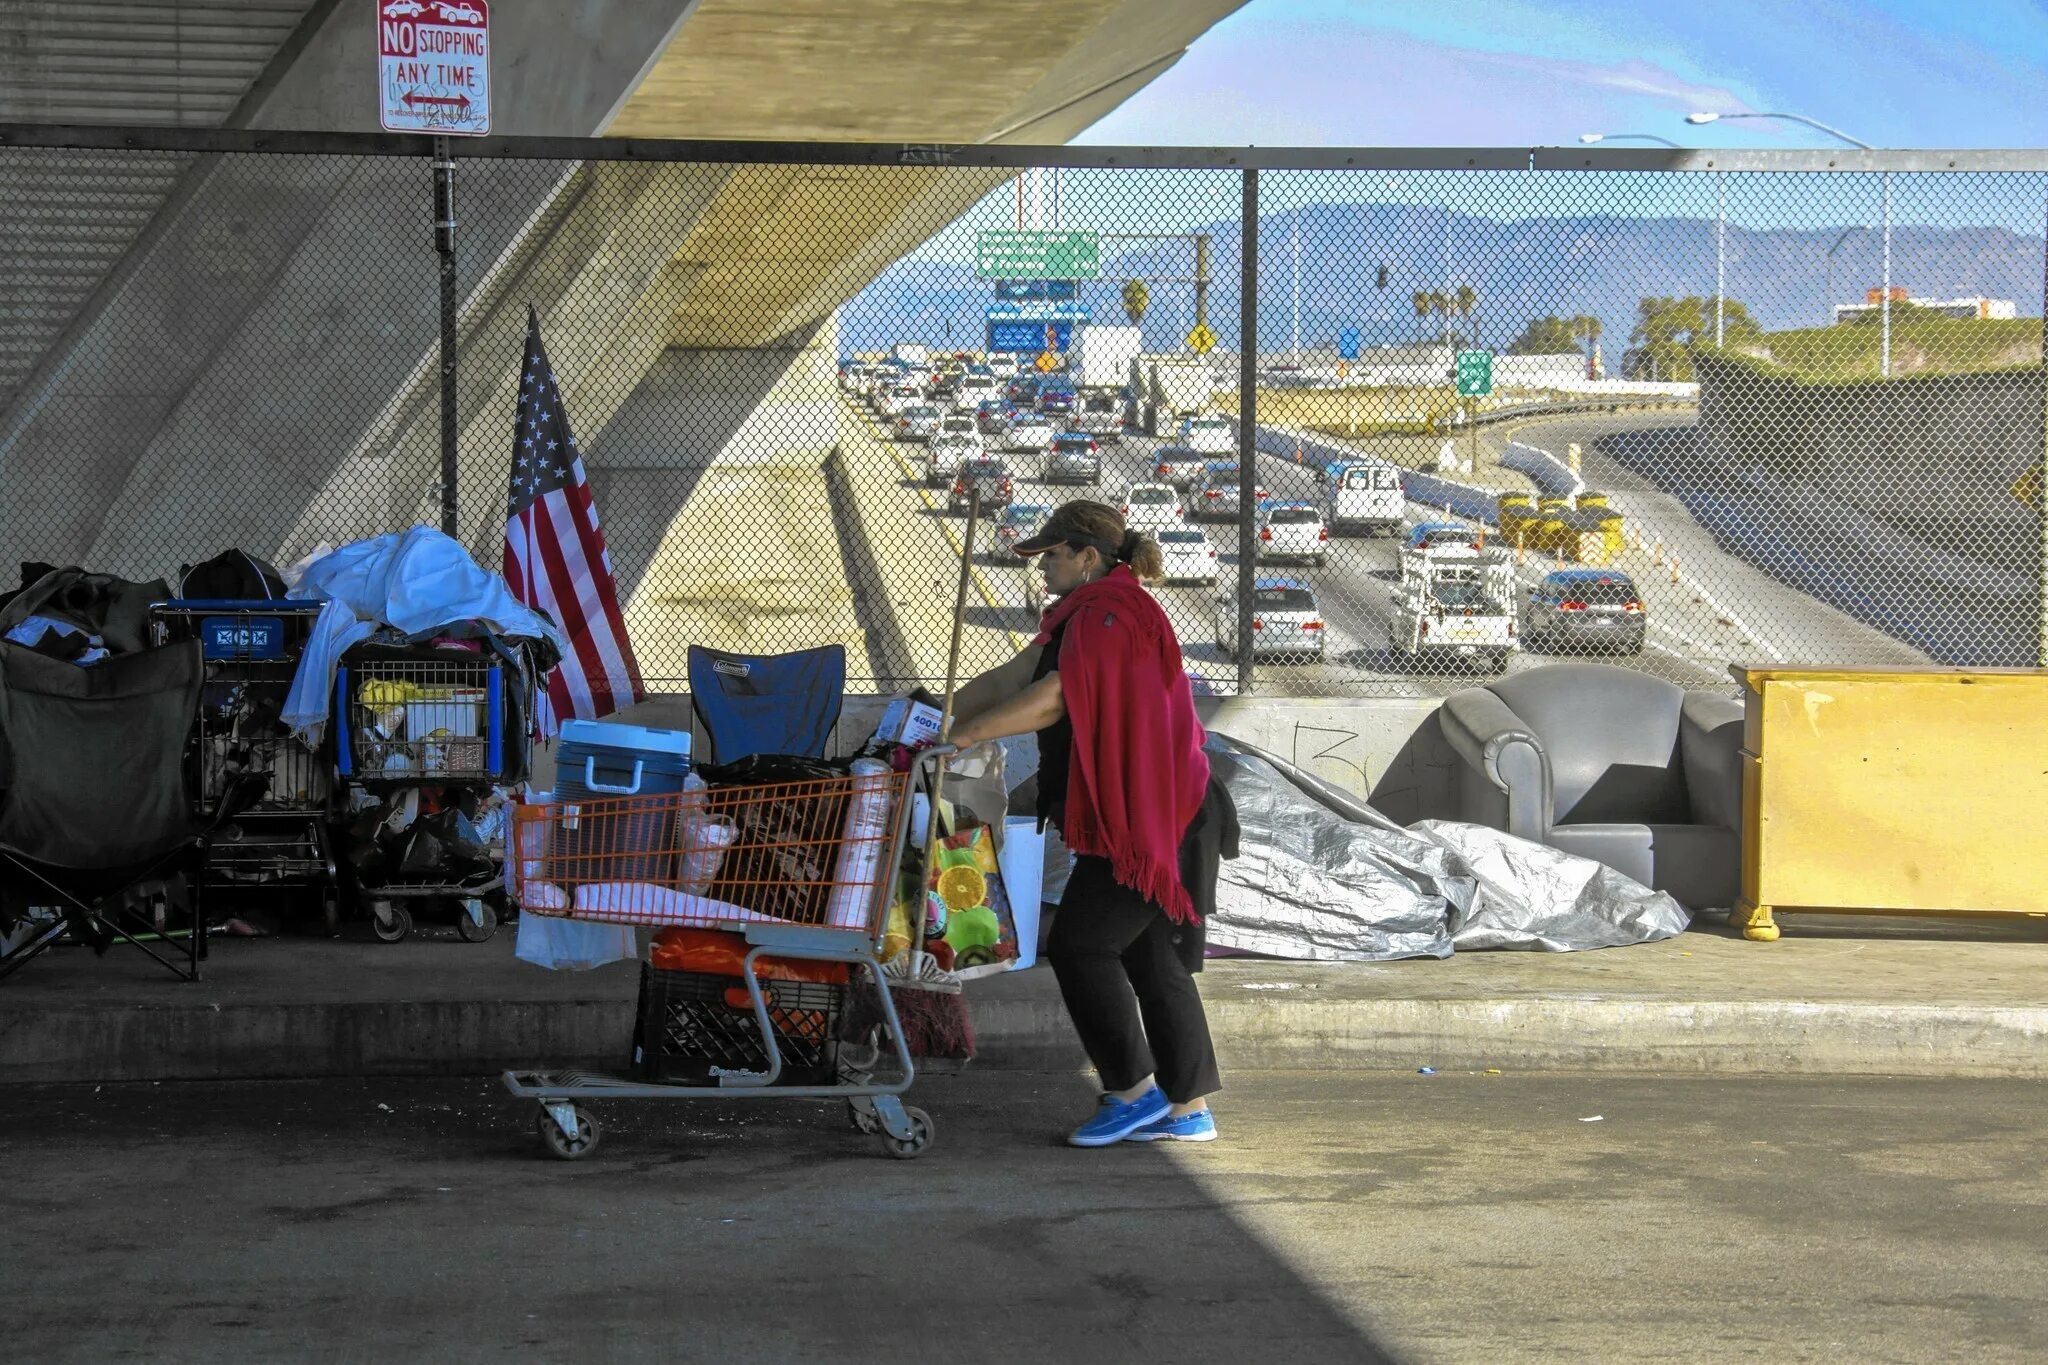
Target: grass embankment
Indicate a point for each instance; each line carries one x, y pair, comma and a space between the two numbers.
1375, 411
1920, 345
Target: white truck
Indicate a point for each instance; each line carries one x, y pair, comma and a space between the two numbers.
1456, 603
1102, 356
911, 354
1173, 387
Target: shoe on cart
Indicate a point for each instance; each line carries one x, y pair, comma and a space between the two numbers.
1115, 1119
1199, 1126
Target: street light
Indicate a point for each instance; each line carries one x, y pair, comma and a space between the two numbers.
1590, 138
1829, 302
1885, 303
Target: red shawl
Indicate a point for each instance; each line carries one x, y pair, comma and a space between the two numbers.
1138, 772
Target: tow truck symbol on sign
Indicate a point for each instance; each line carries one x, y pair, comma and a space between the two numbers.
459, 14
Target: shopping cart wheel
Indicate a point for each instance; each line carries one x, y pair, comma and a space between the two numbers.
861, 1113
560, 1144
389, 922
475, 919
903, 1149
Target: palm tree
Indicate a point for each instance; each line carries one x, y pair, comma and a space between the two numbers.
1423, 308
1137, 298
1467, 302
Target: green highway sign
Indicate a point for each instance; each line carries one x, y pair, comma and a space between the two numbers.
1031, 255
1475, 374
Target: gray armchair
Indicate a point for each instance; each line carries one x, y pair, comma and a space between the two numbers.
1610, 764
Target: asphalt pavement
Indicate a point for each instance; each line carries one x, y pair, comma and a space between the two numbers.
1346, 1218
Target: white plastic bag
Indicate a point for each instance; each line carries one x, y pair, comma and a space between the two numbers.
1022, 864
567, 945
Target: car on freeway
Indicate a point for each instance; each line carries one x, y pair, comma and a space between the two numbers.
919, 422
1023, 390
1428, 534
960, 424
944, 456
1100, 413
1287, 622
993, 416
943, 392
1149, 506
976, 389
1074, 458
1178, 465
1292, 530
1212, 435
1366, 497
1020, 519
891, 401
1057, 400
1594, 610
1214, 494
1028, 432
987, 475
1002, 365
1189, 556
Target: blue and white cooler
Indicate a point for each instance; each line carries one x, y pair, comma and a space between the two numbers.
632, 840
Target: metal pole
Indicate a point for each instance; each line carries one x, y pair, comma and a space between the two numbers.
1885, 363
2041, 493
1201, 279
1295, 224
444, 246
1247, 421
1720, 254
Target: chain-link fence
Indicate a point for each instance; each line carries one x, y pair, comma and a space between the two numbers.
1398, 419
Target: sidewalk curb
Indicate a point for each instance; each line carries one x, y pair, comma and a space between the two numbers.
1027, 1029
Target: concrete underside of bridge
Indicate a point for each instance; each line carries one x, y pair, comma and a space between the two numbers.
260, 367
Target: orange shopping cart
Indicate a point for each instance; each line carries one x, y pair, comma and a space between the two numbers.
771, 903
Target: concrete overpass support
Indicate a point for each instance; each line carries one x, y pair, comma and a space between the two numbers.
270, 290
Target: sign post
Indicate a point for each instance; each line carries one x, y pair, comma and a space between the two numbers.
1474, 375
434, 77
1020, 254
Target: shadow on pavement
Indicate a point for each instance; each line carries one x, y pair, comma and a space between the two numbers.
418, 1218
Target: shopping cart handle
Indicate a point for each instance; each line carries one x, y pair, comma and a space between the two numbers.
938, 751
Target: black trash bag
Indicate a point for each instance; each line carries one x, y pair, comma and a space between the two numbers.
787, 837
232, 576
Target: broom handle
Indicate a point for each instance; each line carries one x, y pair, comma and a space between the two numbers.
931, 833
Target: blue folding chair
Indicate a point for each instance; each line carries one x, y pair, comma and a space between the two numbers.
767, 703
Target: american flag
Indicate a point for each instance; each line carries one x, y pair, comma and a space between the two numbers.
555, 557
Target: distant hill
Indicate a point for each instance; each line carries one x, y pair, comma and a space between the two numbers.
1522, 268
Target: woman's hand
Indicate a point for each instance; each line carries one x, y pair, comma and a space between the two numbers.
1036, 707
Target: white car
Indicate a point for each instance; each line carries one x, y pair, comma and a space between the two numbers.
405, 9
1029, 433
895, 399
960, 424
1293, 530
945, 456
459, 14
1210, 435
1152, 506
1189, 556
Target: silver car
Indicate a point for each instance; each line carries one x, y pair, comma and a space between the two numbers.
1287, 622
1028, 433
1215, 494
919, 423
1178, 465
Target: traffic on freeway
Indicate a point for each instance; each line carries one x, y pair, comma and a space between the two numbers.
1346, 603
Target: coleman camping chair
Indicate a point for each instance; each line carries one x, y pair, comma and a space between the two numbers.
98, 836
767, 703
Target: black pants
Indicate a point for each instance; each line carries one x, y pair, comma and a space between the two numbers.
1114, 955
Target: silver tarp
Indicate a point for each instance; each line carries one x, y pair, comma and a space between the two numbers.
1323, 876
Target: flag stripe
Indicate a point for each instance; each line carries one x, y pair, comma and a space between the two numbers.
555, 556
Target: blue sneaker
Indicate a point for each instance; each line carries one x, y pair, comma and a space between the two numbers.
1199, 1126
1115, 1119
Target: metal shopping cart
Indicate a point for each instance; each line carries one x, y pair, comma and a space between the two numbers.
447, 721
799, 876
252, 650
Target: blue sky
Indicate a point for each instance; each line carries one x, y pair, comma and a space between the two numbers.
1898, 73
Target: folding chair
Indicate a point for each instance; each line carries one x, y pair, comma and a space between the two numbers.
96, 805
767, 703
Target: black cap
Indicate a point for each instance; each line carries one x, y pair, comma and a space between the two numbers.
1063, 527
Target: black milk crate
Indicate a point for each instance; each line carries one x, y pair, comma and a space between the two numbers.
690, 1028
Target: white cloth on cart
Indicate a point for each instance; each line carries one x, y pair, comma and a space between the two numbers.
413, 581
653, 903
